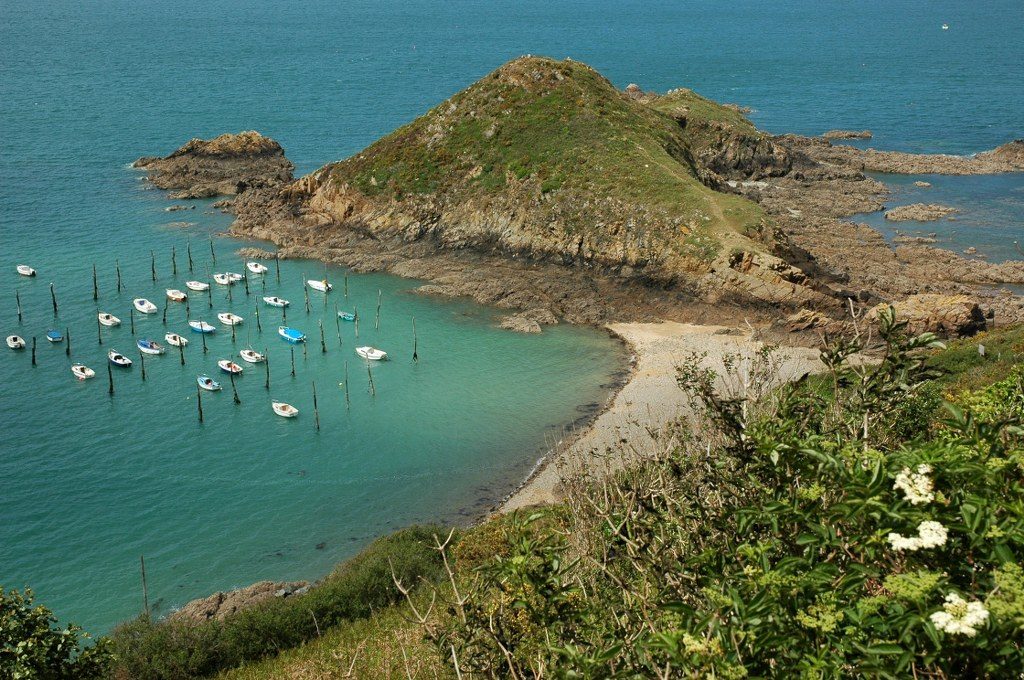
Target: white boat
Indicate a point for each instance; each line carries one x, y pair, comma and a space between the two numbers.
15, 342
197, 286
229, 366
175, 295
175, 340
284, 410
201, 327
108, 319
945, 27
149, 347
82, 372
321, 286
118, 359
252, 356
233, 277
223, 279
256, 267
371, 353
144, 306
275, 301
229, 319
25, 270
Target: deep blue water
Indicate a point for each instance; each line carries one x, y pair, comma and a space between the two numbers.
88, 483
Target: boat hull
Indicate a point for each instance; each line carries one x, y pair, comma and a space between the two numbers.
201, 327
321, 286
151, 349
109, 320
230, 319
229, 367
82, 372
145, 306
291, 335
284, 410
372, 353
16, 342
208, 384
175, 340
119, 360
197, 286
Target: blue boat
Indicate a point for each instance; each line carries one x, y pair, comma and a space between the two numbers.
292, 335
147, 346
201, 327
346, 316
207, 383
54, 336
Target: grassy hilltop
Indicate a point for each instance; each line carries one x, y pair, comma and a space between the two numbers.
547, 160
600, 163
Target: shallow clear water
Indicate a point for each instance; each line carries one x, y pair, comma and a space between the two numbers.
991, 216
87, 483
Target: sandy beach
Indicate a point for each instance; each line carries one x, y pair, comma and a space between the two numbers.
648, 401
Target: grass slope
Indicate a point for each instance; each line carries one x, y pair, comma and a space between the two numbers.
595, 161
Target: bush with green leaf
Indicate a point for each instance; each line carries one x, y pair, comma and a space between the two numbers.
810, 532
173, 649
33, 646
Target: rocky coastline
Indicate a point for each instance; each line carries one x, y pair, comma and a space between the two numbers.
815, 262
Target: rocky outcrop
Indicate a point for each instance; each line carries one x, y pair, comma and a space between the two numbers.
529, 321
226, 165
223, 604
847, 134
1006, 158
945, 315
919, 212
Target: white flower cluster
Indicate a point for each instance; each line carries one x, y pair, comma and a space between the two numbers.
929, 535
959, 617
916, 486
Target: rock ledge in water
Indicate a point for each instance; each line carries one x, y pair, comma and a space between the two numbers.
222, 604
225, 165
919, 212
847, 134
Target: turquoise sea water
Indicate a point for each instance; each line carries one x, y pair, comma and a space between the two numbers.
88, 483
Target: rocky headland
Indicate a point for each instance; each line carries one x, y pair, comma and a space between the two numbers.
544, 190
226, 165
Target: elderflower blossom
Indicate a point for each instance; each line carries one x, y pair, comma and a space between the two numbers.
959, 617
916, 486
929, 535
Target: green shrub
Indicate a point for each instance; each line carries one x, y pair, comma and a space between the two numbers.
814, 533
183, 649
32, 647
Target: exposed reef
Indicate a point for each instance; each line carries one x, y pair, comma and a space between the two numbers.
226, 165
919, 212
